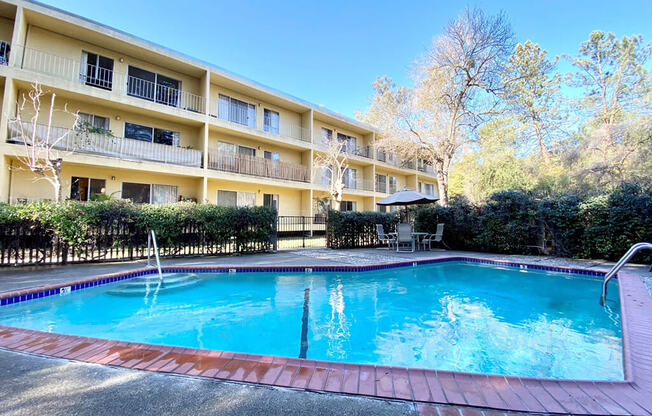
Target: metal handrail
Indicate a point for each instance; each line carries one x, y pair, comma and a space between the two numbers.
614, 270
151, 239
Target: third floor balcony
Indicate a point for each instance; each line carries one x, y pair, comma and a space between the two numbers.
256, 166
97, 71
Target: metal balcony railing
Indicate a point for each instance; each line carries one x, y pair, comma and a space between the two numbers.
256, 166
107, 79
381, 187
101, 144
4, 52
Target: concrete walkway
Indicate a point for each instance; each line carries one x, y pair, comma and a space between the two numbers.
35, 385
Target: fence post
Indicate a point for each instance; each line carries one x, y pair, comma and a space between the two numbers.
303, 231
275, 234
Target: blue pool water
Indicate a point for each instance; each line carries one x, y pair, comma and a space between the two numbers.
452, 316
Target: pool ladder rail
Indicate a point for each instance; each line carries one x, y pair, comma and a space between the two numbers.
151, 240
614, 270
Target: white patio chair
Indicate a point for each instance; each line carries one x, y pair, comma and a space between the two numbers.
404, 237
436, 238
385, 238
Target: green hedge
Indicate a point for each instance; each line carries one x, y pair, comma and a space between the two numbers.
357, 229
89, 226
599, 227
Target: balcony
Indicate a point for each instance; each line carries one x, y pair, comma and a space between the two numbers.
392, 159
106, 79
240, 115
102, 144
381, 187
256, 166
4, 52
426, 168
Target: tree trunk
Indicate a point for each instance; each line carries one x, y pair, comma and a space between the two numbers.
56, 180
442, 184
542, 146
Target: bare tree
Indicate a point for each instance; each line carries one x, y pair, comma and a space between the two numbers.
334, 161
41, 156
456, 87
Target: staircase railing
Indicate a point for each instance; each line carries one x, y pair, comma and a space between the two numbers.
151, 240
623, 260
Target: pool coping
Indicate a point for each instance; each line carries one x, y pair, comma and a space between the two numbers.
633, 395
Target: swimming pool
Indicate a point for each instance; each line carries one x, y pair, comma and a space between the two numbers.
455, 316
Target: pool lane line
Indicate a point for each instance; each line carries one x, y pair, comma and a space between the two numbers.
304, 324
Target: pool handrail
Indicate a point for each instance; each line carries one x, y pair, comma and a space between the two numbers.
614, 270
151, 239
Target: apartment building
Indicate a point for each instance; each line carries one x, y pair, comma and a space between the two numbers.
157, 126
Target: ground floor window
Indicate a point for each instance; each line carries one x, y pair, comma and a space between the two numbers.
348, 206
270, 201
143, 193
83, 189
236, 199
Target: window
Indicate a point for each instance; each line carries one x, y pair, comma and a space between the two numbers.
92, 122
225, 148
151, 86
429, 189
271, 121
227, 198
271, 201
326, 136
348, 206
272, 155
164, 194
247, 151
138, 193
392, 184
381, 183
151, 134
236, 111
83, 189
236, 199
350, 178
382, 208
325, 176
420, 187
96, 70
143, 193
349, 143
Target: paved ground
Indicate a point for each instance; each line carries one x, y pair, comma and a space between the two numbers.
33, 385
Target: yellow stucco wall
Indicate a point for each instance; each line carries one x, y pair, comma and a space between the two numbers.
6, 29
286, 117
290, 200
53, 43
25, 184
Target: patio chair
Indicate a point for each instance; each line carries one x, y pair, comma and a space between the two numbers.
385, 238
404, 237
436, 238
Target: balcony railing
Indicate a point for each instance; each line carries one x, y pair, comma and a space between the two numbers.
381, 187
426, 169
101, 144
72, 70
256, 166
392, 159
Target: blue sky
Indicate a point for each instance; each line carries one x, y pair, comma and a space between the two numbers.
329, 52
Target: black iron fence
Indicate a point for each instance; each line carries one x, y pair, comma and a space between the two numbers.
298, 231
25, 243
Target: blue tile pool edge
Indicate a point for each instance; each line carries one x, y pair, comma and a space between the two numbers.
10, 298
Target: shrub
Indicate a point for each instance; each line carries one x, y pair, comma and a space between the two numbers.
88, 230
357, 229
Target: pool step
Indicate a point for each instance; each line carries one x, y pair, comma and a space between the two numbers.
148, 285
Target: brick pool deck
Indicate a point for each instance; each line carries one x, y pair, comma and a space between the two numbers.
432, 392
